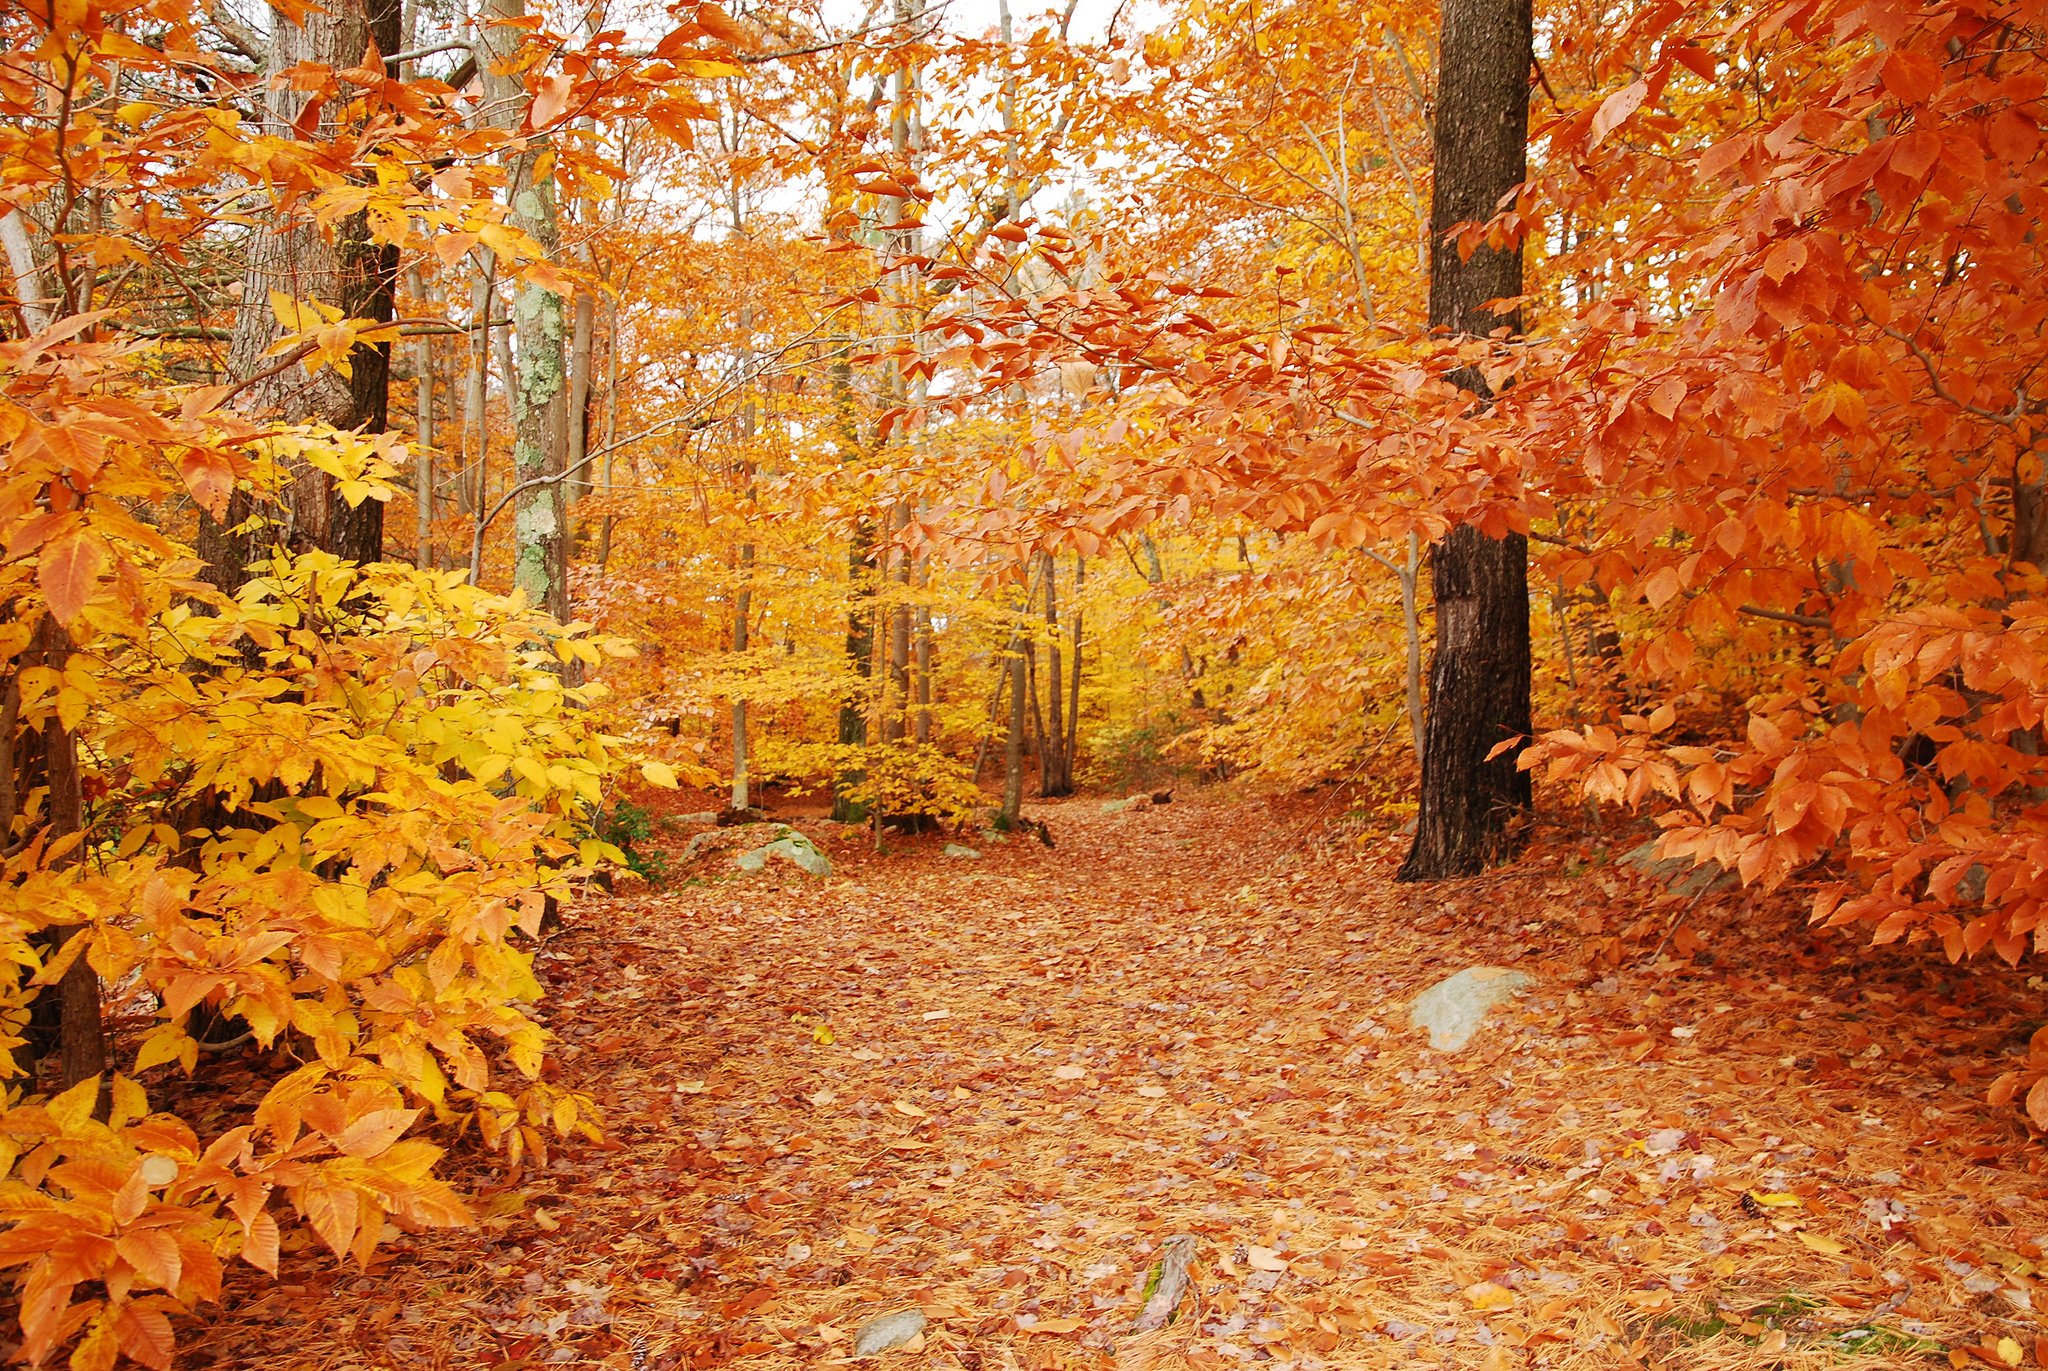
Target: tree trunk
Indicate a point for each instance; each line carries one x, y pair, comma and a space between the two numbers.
922, 653
473, 489
1411, 629
423, 434
1056, 772
295, 258
1479, 680
742, 608
1074, 691
80, 1035
540, 385
1013, 756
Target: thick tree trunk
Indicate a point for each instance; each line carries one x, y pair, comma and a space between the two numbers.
295, 258
1479, 680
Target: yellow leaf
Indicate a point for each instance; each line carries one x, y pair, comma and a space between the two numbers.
2010, 1352
659, 774
1778, 1200
1486, 1295
1053, 1326
1820, 1243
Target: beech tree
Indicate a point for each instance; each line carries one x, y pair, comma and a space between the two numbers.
1479, 676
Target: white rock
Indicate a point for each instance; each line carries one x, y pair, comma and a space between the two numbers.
962, 851
1454, 1007
789, 846
890, 1330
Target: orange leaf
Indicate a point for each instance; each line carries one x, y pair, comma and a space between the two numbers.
259, 1244
146, 1335
549, 101
1615, 111
2037, 1104
375, 1131
68, 570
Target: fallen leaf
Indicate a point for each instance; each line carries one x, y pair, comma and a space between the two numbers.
1486, 1295
1265, 1259
1820, 1243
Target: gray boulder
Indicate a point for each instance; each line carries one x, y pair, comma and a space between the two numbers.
962, 852
1455, 1006
1678, 874
788, 846
889, 1330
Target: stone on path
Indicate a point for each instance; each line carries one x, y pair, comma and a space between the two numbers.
962, 851
889, 1330
1455, 1006
789, 846
1678, 874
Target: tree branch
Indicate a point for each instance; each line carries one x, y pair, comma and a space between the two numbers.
1786, 616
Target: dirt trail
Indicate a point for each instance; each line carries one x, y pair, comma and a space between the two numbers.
990, 1089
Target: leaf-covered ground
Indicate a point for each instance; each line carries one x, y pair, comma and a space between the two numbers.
991, 1089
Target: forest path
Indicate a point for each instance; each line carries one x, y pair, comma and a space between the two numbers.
1191, 1019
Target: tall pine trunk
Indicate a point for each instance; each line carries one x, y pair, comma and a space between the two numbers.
1479, 679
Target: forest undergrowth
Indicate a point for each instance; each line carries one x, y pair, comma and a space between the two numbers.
991, 1089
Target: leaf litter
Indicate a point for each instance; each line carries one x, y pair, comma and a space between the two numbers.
995, 1096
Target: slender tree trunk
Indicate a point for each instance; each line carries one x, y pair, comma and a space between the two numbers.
1411, 628
742, 610
539, 384
1074, 691
1479, 681
581, 347
1056, 775
423, 431
82, 1048
860, 596
898, 702
473, 489
1013, 756
921, 651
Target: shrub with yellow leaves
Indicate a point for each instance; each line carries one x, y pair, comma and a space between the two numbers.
324, 815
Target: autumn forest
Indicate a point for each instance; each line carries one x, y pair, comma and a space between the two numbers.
1180, 684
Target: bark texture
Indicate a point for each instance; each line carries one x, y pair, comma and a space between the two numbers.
1479, 678
293, 256
540, 321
